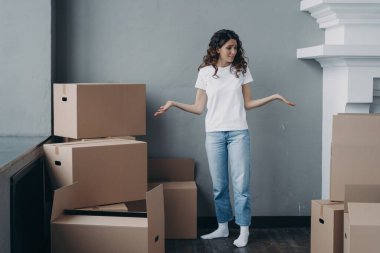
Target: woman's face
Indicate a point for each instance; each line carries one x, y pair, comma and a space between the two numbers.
227, 52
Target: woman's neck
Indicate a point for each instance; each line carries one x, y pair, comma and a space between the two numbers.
222, 64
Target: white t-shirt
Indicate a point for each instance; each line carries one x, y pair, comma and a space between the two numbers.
225, 102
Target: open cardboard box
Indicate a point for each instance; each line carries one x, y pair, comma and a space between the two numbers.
93, 110
360, 218
180, 195
99, 233
362, 228
109, 171
326, 226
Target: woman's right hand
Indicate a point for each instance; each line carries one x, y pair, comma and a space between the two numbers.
163, 108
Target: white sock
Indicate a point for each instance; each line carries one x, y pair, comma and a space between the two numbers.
243, 237
222, 231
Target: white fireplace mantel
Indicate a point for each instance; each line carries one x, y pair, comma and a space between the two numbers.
339, 51
330, 13
350, 59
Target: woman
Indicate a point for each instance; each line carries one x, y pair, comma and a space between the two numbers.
223, 81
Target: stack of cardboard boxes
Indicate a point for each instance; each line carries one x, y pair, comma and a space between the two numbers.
350, 220
101, 203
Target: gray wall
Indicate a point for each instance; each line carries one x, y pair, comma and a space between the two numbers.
25, 68
161, 43
25, 91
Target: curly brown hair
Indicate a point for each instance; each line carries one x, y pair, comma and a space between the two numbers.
217, 41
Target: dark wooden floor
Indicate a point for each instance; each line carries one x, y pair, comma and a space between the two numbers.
261, 240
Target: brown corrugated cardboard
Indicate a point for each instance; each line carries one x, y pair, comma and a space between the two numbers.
180, 209
353, 164
361, 193
359, 129
109, 171
99, 110
362, 228
170, 169
180, 191
99, 234
326, 226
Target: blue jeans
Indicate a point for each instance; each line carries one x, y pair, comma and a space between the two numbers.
233, 147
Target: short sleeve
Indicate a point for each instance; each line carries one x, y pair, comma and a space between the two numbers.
201, 82
247, 77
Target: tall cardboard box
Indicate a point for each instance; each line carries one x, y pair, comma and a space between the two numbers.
100, 234
326, 226
180, 195
362, 228
355, 152
88, 110
109, 171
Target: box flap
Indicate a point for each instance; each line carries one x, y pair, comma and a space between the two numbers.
174, 185
64, 198
361, 193
156, 220
333, 205
364, 214
170, 169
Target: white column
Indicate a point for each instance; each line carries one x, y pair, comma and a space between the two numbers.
350, 59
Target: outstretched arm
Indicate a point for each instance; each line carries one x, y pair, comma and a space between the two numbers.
196, 108
249, 103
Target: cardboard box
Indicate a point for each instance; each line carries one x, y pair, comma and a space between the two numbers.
358, 129
353, 164
170, 169
362, 228
83, 110
180, 209
355, 152
326, 226
361, 193
109, 171
99, 234
357, 194
180, 195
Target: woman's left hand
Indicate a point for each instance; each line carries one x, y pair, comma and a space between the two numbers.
284, 100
